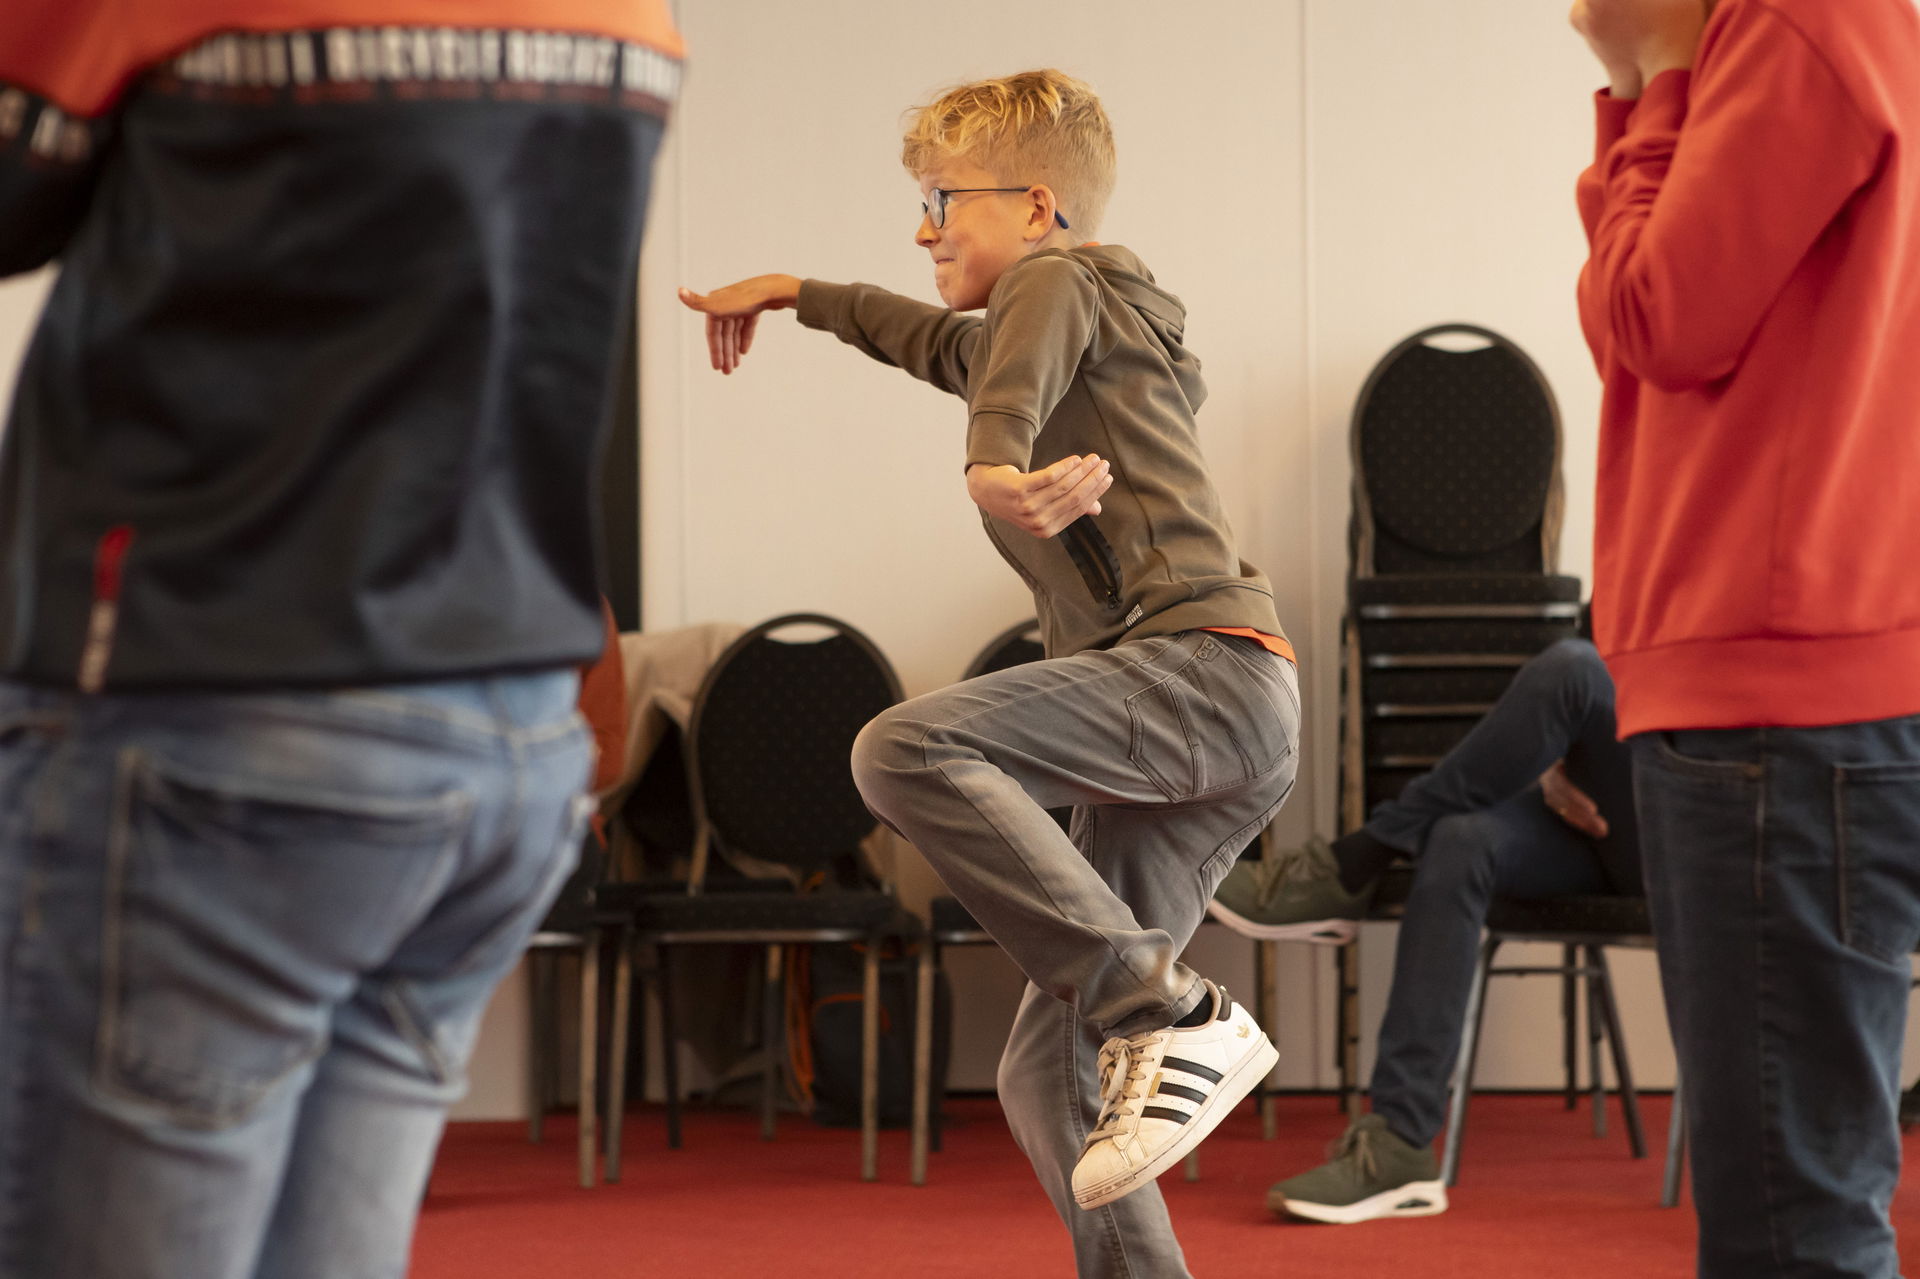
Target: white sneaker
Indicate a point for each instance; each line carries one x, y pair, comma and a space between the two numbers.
1162, 1092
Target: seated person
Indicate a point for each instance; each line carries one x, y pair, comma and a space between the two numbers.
1536, 801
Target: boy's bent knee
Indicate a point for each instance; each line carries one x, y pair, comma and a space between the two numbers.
885, 749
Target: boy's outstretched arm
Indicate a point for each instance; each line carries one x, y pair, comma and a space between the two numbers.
929, 342
734, 312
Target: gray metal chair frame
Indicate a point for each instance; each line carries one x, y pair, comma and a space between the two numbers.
926, 1118
1603, 1023
542, 1063
775, 939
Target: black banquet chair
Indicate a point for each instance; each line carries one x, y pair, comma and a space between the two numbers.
768, 749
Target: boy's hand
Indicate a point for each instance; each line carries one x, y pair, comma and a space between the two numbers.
733, 313
1571, 804
1636, 40
1045, 501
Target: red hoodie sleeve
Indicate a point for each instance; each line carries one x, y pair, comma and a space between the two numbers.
1723, 180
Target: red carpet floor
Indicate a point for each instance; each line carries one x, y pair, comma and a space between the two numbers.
1539, 1197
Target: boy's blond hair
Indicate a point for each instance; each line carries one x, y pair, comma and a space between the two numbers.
1039, 127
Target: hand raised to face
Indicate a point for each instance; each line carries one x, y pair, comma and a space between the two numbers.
1637, 40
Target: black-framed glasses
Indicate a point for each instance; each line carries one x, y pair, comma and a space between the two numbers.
937, 211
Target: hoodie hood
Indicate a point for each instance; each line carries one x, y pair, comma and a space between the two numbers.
1163, 315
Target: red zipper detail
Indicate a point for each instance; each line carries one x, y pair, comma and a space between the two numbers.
109, 565
109, 558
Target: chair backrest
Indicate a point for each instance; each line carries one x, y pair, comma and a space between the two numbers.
1456, 459
1015, 646
770, 740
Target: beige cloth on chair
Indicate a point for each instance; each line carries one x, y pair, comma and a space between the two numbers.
664, 670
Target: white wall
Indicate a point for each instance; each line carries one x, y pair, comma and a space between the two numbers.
1316, 178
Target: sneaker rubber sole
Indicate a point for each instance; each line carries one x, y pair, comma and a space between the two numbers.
1251, 1070
1415, 1199
1318, 932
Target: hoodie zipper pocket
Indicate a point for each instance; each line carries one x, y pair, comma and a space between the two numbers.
1099, 566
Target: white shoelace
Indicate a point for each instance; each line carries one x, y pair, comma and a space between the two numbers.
1123, 1065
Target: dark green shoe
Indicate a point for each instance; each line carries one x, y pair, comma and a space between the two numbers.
1372, 1174
1295, 895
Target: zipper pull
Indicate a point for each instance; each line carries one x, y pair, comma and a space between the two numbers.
109, 560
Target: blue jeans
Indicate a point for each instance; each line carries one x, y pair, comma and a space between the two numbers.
245, 942
1477, 829
1783, 872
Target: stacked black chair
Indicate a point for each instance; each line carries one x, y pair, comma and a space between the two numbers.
768, 749
1452, 588
1453, 542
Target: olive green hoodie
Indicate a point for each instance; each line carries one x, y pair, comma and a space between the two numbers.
1079, 351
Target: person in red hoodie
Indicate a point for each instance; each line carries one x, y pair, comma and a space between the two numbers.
1752, 300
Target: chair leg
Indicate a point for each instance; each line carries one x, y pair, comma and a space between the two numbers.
618, 1049
537, 1094
1469, 1056
1347, 1029
669, 1044
1570, 1024
589, 1058
1676, 1149
1266, 958
1193, 1164
1609, 1014
937, 1120
870, 1064
772, 1015
923, 1099
1260, 999
1596, 1082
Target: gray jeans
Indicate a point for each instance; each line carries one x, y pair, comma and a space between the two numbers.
1173, 752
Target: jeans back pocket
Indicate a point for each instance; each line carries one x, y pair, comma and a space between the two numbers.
239, 912
1877, 834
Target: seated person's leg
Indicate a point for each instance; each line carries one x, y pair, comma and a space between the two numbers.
1558, 706
1385, 1165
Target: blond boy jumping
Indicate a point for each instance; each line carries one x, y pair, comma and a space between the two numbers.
1167, 711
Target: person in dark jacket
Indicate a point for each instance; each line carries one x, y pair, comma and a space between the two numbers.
295, 579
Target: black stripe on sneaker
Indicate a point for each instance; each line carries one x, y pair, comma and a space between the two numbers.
1186, 1067
1162, 1112
1175, 1090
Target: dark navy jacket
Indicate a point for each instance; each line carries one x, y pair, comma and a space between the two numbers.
318, 391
